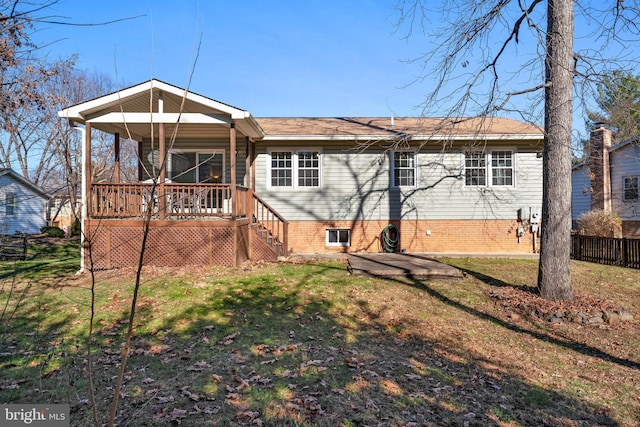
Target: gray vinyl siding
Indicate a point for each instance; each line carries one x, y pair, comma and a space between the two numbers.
624, 162
580, 192
29, 209
203, 145
356, 186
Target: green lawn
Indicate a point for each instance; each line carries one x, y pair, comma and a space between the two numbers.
308, 344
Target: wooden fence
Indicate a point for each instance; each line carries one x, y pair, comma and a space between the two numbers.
13, 246
606, 250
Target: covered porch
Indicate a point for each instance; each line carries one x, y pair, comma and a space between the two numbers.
195, 180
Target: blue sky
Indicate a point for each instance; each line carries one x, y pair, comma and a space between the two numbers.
277, 57
273, 58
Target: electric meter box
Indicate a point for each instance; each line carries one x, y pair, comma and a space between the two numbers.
524, 213
536, 215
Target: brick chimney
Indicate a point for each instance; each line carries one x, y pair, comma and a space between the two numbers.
599, 144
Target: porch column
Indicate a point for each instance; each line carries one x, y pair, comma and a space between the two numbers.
247, 163
248, 181
116, 152
140, 162
253, 165
162, 200
233, 157
86, 203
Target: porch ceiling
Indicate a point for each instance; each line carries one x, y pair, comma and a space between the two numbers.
135, 112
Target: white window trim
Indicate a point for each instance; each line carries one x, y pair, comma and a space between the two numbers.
624, 192
294, 166
338, 244
488, 167
197, 153
392, 168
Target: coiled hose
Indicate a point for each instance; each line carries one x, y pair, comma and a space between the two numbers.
390, 238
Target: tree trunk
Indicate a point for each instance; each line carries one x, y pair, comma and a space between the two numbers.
554, 277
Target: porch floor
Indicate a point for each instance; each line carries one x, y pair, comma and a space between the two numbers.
417, 266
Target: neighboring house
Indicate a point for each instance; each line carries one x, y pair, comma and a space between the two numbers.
61, 214
23, 204
609, 180
237, 187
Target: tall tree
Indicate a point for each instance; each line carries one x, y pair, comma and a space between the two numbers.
24, 74
554, 276
618, 100
497, 56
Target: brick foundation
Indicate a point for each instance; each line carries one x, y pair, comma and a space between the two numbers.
490, 236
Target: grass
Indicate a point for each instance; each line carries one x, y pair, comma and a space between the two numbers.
307, 344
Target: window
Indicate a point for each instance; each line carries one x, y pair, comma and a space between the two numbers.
501, 168
475, 168
338, 237
295, 169
476, 172
404, 169
11, 204
308, 169
630, 187
193, 167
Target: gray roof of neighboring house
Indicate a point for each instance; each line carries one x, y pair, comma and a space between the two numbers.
15, 175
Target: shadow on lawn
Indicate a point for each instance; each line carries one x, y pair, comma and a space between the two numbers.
492, 281
274, 350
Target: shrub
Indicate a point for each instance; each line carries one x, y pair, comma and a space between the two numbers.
75, 228
52, 231
600, 223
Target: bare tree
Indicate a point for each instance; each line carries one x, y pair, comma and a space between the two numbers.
68, 88
473, 71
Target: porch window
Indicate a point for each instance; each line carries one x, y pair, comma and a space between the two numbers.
404, 169
630, 187
196, 167
10, 209
294, 169
338, 237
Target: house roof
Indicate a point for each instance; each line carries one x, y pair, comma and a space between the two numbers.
415, 128
25, 182
130, 111
626, 143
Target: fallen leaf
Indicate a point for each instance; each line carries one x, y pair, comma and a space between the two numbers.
178, 414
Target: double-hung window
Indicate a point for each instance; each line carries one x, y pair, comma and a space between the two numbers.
10, 209
630, 187
475, 168
295, 169
493, 167
501, 168
404, 169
